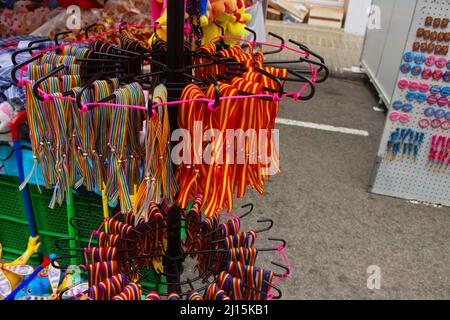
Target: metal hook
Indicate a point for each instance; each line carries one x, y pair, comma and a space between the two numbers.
276, 248
221, 43
248, 212
27, 49
42, 79
321, 65
222, 30
280, 294
305, 48
76, 226
31, 43
277, 50
59, 247
270, 221
95, 205
252, 32
79, 95
216, 90
20, 66
272, 77
121, 24
302, 78
286, 274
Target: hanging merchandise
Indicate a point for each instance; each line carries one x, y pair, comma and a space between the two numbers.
405, 143
225, 256
421, 117
104, 114
158, 181
439, 155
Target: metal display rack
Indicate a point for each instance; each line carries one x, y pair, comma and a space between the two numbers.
175, 65
407, 178
204, 236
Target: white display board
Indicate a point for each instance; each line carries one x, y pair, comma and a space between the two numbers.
404, 177
383, 47
357, 16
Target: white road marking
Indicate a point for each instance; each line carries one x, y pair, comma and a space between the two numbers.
378, 109
323, 127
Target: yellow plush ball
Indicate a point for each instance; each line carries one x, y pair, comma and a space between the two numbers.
209, 32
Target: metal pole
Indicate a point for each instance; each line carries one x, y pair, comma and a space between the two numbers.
175, 83
175, 47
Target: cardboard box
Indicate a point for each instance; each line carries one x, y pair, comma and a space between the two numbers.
295, 9
273, 14
326, 16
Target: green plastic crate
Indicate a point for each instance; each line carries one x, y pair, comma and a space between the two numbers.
53, 224
14, 231
14, 237
47, 219
55, 220
11, 200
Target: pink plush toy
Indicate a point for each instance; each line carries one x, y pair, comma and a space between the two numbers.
6, 115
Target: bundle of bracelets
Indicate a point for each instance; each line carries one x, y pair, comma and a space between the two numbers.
224, 256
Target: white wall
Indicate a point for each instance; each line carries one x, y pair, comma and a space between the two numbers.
357, 16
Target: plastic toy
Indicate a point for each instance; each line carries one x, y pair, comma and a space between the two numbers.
26, 281
231, 17
222, 6
47, 278
6, 115
205, 6
48, 284
12, 273
236, 25
210, 31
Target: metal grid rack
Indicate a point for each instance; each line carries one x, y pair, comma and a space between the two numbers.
408, 179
